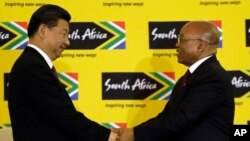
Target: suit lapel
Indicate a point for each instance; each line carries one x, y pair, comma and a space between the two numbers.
177, 95
179, 92
34, 53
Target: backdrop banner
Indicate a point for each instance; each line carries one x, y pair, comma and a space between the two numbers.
121, 65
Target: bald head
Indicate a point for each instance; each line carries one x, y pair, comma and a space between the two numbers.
197, 40
204, 30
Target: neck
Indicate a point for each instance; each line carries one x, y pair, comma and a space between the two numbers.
40, 45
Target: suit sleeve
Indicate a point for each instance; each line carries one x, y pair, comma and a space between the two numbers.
49, 99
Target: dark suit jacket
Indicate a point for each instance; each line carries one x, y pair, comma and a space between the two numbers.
40, 108
200, 111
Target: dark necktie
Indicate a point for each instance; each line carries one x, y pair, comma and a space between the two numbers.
54, 71
185, 78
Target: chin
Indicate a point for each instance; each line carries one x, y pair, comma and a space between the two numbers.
58, 56
179, 61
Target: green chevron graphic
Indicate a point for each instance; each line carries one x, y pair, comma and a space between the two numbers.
71, 84
119, 35
20, 41
114, 125
162, 77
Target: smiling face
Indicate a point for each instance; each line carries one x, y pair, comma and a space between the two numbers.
56, 39
197, 40
48, 30
187, 46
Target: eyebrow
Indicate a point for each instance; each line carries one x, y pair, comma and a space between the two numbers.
66, 29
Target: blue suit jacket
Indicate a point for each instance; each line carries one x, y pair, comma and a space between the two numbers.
200, 111
40, 108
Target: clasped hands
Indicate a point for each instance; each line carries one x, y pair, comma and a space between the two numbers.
121, 134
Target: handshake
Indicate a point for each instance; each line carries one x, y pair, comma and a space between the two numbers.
121, 134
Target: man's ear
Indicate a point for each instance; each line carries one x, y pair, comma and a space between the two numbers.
42, 30
202, 46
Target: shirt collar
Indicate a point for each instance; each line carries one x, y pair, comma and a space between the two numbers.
44, 55
193, 67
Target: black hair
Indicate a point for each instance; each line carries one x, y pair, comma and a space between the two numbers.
47, 14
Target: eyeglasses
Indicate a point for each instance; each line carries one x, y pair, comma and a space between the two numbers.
181, 39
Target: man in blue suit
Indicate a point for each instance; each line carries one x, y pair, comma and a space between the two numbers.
201, 107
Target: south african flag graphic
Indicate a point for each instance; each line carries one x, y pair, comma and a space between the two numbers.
13, 35
70, 82
114, 125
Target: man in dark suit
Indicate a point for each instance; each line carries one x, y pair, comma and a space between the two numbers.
201, 107
39, 106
